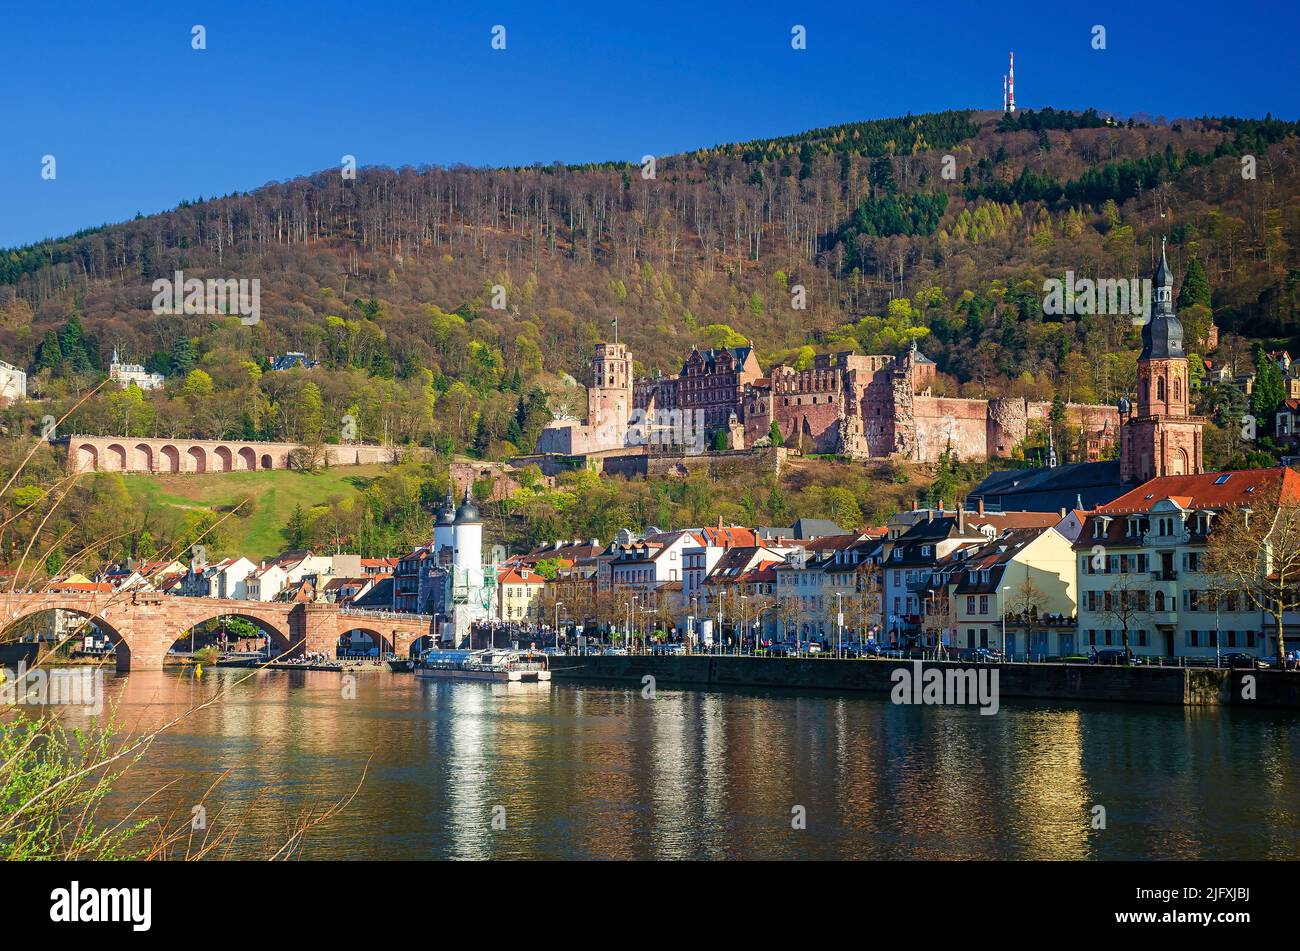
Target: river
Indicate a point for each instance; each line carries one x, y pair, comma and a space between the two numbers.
599, 772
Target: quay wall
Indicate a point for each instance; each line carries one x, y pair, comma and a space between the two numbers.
1164, 685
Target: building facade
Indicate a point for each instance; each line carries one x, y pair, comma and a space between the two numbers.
1159, 437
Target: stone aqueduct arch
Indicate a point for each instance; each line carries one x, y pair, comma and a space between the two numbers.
168, 456
144, 626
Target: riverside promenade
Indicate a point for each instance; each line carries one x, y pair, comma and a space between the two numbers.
1180, 686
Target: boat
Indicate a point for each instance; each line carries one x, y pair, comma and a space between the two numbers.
501, 666
400, 665
13, 653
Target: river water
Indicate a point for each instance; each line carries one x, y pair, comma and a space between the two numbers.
599, 772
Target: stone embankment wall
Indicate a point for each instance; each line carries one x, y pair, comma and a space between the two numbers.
1070, 682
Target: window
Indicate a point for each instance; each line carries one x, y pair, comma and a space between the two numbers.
984, 604
970, 604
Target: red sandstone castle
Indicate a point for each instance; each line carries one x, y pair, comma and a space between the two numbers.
874, 406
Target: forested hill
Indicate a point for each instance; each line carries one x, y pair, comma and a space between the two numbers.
938, 227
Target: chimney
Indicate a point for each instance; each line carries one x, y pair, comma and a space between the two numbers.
913, 505
929, 515
980, 503
1062, 513
961, 519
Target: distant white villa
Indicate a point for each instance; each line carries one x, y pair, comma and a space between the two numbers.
13, 382
124, 374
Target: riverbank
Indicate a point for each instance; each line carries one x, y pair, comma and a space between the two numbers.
1180, 686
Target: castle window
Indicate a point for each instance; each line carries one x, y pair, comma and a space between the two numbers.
1160, 388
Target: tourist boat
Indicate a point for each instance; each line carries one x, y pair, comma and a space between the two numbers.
502, 666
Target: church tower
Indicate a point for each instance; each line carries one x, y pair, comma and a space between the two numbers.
1159, 438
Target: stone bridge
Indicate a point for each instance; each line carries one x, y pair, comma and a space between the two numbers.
145, 625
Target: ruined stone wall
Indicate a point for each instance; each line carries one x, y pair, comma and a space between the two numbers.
808, 407
941, 419
1008, 424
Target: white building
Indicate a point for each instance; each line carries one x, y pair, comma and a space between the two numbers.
265, 583
13, 382
1141, 564
124, 374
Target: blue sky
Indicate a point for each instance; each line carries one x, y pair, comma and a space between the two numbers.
137, 120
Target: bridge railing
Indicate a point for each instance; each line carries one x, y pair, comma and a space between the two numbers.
387, 615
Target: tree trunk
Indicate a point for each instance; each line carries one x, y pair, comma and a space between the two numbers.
1281, 653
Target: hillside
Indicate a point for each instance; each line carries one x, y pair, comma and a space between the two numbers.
261, 503
388, 280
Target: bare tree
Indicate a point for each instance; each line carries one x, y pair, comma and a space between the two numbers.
1028, 601
1125, 604
1254, 551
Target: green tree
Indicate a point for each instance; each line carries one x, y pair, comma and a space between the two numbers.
1268, 392
295, 530
1196, 288
774, 434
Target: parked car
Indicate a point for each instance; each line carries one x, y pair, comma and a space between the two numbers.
1112, 656
985, 655
1238, 660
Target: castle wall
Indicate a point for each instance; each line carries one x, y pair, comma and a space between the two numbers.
939, 420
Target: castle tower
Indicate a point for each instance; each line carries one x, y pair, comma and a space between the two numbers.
1159, 438
468, 534
444, 527
609, 398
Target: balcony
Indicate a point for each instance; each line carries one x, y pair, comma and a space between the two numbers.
1170, 574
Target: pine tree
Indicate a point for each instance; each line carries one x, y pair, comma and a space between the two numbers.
295, 530
774, 434
183, 356
1195, 289
49, 354
1268, 392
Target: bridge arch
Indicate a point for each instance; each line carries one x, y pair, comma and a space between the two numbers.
169, 459
246, 459
224, 459
73, 633
363, 638
143, 457
277, 630
266, 461
196, 459
87, 457
115, 458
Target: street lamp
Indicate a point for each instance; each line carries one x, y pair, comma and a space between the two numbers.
558, 605
839, 623
740, 635
1003, 605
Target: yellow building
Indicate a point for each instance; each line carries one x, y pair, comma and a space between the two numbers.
520, 594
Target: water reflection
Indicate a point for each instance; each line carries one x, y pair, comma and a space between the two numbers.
594, 772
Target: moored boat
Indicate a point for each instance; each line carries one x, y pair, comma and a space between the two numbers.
502, 666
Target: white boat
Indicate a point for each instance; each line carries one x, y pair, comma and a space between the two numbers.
502, 666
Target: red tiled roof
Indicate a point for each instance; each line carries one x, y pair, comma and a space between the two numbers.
513, 576
1205, 491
